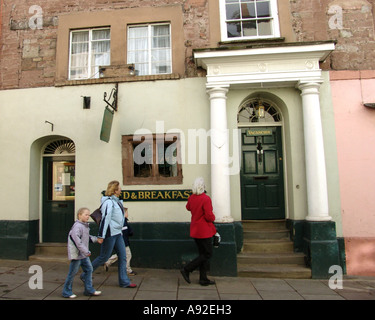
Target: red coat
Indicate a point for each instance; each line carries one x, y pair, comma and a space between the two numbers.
202, 217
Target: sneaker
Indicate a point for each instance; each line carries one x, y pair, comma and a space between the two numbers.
73, 296
96, 293
131, 286
132, 273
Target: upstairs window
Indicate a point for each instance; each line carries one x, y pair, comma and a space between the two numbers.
249, 19
149, 49
89, 49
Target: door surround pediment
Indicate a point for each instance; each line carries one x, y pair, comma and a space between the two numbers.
281, 65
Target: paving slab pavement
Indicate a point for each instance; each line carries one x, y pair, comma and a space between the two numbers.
167, 285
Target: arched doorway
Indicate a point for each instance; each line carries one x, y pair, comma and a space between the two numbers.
58, 192
262, 177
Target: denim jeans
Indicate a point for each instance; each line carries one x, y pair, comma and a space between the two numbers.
115, 242
73, 269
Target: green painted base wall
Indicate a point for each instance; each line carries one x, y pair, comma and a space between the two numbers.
18, 239
169, 246
318, 241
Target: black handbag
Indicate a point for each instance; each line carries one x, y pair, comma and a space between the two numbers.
97, 216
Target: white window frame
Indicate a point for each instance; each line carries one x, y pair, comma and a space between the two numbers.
90, 30
274, 18
149, 38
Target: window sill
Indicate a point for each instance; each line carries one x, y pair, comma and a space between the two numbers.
171, 76
244, 42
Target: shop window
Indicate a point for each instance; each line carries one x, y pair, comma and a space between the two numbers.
149, 49
151, 159
248, 19
89, 49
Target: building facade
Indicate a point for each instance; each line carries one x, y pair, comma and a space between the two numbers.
247, 94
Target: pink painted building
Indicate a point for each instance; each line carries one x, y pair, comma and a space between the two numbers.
355, 134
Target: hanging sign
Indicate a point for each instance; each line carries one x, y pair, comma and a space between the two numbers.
105, 132
258, 132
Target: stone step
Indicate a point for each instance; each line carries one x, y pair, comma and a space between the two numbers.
50, 252
49, 258
268, 245
274, 271
266, 234
268, 252
51, 248
263, 224
271, 258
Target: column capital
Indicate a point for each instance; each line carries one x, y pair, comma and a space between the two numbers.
309, 87
218, 92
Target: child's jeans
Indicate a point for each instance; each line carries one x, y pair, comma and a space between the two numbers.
73, 269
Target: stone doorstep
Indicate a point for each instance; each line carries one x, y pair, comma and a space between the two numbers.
269, 258
269, 253
50, 252
281, 271
267, 245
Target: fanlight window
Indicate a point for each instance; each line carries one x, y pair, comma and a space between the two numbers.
258, 111
60, 147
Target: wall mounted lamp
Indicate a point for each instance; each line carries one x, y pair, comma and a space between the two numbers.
131, 70
369, 105
86, 102
259, 110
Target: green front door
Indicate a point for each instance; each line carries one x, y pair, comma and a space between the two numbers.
262, 184
58, 198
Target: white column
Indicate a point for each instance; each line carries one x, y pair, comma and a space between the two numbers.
220, 186
317, 195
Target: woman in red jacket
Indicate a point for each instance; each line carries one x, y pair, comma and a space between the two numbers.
202, 229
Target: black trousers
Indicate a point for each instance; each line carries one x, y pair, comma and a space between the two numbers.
205, 249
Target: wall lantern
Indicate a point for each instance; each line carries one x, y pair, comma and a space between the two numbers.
131, 70
259, 110
86, 102
369, 105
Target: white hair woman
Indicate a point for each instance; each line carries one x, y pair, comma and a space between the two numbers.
198, 186
202, 229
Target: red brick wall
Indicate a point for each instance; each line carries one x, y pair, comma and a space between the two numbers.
27, 57
355, 48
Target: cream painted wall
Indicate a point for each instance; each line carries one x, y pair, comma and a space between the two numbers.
181, 105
